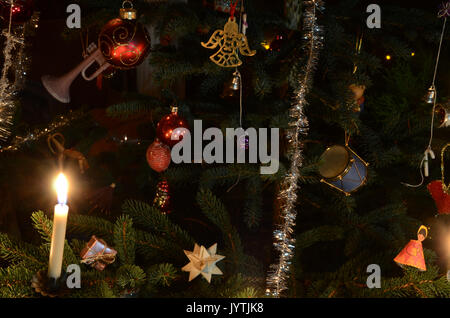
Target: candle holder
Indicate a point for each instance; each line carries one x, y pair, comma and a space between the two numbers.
48, 286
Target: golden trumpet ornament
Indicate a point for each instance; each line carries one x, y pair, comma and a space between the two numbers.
230, 41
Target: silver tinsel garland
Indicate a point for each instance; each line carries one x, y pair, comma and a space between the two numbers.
14, 70
283, 242
18, 142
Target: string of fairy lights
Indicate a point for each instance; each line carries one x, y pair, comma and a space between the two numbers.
283, 241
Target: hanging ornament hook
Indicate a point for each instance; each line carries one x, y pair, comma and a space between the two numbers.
128, 13
129, 2
430, 98
445, 10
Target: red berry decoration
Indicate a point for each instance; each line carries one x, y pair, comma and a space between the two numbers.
22, 10
124, 42
158, 156
171, 124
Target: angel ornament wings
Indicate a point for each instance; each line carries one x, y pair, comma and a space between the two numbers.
230, 41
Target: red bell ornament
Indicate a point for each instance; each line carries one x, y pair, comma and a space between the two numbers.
158, 156
441, 198
171, 124
439, 190
22, 10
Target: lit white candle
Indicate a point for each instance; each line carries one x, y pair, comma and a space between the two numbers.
59, 228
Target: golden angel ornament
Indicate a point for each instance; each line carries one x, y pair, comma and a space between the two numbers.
230, 41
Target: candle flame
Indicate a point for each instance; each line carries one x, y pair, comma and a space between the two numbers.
61, 186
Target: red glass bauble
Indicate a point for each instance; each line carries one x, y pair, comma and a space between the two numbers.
171, 124
124, 43
158, 156
22, 10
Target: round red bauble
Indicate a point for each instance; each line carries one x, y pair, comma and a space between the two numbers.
171, 124
158, 156
124, 43
22, 10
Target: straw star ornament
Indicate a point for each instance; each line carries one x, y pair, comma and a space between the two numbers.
203, 261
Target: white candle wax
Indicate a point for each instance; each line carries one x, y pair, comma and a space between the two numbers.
58, 237
59, 228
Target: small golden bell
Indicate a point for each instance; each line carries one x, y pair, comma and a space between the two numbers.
128, 13
431, 95
236, 81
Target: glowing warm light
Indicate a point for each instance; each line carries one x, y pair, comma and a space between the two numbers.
61, 186
265, 45
388, 57
413, 53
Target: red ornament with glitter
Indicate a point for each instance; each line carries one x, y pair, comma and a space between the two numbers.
158, 156
162, 197
169, 125
22, 10
124, 42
